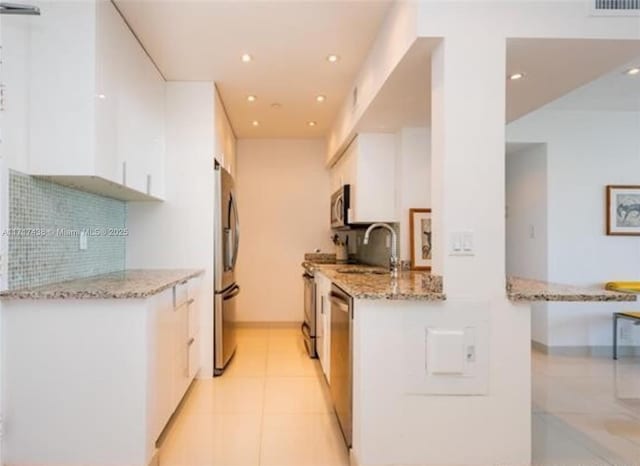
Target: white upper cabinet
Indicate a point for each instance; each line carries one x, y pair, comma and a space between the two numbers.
97, 103
225, 140
368, 166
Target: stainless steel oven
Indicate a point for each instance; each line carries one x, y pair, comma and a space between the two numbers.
309, 324
340, 205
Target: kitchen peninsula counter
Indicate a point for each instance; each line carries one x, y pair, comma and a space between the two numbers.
377, 283
527, 290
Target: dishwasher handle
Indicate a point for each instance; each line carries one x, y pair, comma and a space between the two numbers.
339, 302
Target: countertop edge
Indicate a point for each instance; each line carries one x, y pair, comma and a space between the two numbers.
569, 298
43, 295
359, 295
522, 290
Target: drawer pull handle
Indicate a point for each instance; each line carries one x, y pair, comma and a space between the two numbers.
191, 341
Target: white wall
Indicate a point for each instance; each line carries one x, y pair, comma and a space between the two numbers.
526, 223
585, 152
283, 192
178, 233
413, 179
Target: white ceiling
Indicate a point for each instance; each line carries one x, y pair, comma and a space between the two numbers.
289, 41
553, 69
615, 91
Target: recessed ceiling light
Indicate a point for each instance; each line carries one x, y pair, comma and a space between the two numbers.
333, 58
276, 106
251, 98
246, 58
516, 76
255, 123
102, 96
321, 98
633, 71
312, 123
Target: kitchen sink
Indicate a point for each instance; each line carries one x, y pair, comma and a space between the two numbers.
363, 271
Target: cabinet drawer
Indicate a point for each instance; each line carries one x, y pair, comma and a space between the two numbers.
193, 319
180, 294
193, 355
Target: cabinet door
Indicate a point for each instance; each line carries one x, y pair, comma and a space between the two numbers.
181, 352
324, 324
225, 141
109, 31
161, 360
62, 89
134, 114
152, 150
320, 306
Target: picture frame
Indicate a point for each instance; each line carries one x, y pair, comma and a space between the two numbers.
420, 238
623, 210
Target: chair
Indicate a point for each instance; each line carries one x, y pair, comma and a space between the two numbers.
629, 287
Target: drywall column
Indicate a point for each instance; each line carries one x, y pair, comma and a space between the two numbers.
468, 195
468, 126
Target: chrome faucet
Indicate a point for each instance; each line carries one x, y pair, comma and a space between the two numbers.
393, 260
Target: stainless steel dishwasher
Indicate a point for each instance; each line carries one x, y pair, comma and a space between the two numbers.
340, 380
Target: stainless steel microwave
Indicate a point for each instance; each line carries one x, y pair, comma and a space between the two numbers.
340, 205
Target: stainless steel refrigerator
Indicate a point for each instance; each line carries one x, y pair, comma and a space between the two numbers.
226, 244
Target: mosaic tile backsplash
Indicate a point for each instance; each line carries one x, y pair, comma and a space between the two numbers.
45, 225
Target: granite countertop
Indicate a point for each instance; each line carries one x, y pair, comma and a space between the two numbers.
128, 284
527, 290
410, 285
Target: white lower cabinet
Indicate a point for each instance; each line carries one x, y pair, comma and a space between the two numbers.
177, 357
323, 321
94, 381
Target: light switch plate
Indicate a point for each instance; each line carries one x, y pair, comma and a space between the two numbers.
461, 243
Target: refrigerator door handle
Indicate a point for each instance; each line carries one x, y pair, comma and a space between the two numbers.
232, 293
237, 231
228, 249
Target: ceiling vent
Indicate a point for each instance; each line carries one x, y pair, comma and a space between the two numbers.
615, 8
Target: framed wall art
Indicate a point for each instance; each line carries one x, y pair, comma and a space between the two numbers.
623, 210
420, 238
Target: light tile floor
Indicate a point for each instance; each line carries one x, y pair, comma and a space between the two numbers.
272, 408
586, 411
